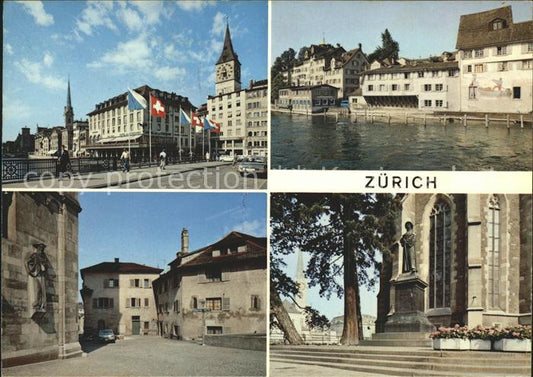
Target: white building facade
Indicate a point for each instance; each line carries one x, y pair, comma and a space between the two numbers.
496, 61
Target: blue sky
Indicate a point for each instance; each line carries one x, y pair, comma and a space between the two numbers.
334, 306
106, 46
146, 227
422, 28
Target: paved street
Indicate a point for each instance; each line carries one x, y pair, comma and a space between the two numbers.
151, 356
202, 175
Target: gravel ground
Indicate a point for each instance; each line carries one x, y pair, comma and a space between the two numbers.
151, 356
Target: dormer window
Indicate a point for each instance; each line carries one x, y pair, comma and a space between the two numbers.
497, 24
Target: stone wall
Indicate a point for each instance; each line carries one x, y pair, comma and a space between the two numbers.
38, 327
526, 242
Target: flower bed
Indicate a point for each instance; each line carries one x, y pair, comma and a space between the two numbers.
480, 338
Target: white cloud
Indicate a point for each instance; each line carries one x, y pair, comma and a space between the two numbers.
36, 10
193, 5
151, 11
33, 73
130, 18
218, 24
94, 15
9, 49
185, 38
133, 54
249, 227
14, 109
48, 59
168, 73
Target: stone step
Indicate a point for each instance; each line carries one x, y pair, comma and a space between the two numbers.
474, 358
409, 351
401, 335
398, 343
392, 371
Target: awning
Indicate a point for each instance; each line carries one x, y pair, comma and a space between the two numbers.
52, 152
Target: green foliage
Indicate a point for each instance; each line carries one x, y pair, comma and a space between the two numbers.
389, 48
282, 63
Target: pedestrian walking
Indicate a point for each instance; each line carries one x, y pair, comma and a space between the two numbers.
64, 162
125, 157
162, 159
207, 156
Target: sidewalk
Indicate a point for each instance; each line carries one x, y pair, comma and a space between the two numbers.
111, 178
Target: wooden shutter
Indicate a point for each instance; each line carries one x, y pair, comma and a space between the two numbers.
111, 303
106, 283
127, 303
132, 283
95, 303
225, 303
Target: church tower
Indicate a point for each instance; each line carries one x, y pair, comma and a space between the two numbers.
301, 297
228, 68
69, 111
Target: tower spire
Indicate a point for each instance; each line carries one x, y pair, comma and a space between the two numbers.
68, 93
69, 111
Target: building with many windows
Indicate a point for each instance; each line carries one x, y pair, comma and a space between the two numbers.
113, 127
327, 64
237, 109
118, 296
429, 84
472, 251
496, 61
217, 289
308, 99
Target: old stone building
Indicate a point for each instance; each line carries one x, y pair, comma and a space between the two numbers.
241, 113
39, 277
430, 84
469, 263
113, 127
118, 296
496, 62
328, 64
217, 289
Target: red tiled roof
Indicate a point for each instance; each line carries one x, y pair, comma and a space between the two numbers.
120, 268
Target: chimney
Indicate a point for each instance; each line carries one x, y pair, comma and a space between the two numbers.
116, 260
360, 46
185, 241
251, 84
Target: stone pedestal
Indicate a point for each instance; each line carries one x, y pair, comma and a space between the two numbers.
409, 314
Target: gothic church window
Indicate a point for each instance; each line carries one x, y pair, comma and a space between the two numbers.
494, 252
440, 256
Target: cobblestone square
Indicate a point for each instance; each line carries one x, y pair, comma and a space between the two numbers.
150, 356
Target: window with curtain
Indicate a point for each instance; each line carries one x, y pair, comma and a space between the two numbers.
440, 256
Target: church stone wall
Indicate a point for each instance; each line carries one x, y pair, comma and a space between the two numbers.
50, 219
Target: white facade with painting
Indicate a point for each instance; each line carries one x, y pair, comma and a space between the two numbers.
496, 61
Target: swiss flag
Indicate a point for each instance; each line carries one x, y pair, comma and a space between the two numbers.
156, 107
195, 120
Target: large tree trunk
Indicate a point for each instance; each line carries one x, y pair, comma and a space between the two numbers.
350, 331
284, 321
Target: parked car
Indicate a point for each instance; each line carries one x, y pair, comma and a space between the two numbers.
226, 158
106, 335
251, 166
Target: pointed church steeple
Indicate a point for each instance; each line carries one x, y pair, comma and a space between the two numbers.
69, 111
228, 68
301, 281
228, 54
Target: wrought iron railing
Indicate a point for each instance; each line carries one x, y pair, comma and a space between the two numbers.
27, 169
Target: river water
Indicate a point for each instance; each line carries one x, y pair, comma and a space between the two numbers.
305, 142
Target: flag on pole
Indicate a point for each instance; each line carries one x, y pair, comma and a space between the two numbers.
213, 126
156, 107
195, 120
184, 118
207, 126
136, 101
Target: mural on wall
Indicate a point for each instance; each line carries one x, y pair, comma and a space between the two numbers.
488, 88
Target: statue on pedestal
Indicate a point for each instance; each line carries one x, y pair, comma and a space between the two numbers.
37, 268
408, 244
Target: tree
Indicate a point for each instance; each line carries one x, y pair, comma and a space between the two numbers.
389, 48
282, 63
343, 234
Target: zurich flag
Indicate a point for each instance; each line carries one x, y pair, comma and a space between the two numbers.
136, 101
184, 119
